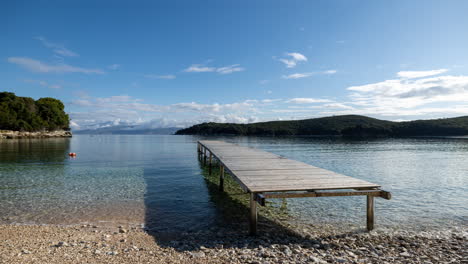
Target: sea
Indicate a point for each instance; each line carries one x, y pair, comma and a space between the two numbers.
156, 181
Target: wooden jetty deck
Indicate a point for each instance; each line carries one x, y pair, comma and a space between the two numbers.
266, 175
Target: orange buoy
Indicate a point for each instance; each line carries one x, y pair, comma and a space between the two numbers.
72, 154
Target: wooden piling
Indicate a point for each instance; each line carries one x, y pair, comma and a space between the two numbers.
370, 212
253, 214
210, 163
204, 156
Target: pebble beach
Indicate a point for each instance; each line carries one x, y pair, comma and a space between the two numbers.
123, 244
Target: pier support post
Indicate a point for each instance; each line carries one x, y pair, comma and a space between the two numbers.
221, 178
199, 151
253, 215
204, 156
370, 212
210, 165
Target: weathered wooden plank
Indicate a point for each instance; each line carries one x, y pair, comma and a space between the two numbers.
308, 185
320, 183
378, 193
273, 173
301, 188
311, 177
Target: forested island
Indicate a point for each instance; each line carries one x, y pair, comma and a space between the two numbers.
26, 117
346, 125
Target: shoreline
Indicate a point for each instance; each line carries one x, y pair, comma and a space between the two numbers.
228, 244
10, 134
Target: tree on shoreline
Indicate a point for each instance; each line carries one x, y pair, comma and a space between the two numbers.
25, 114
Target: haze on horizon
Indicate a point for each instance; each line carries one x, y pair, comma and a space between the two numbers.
176, 63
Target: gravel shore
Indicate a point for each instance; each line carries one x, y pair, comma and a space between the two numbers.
95, 244
9, 134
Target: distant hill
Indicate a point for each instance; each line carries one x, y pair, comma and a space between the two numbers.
346, 125
26, 114
129, 130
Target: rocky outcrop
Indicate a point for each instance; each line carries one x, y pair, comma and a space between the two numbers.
9, 134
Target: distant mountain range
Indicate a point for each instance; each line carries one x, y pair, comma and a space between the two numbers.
129, 130
346, 125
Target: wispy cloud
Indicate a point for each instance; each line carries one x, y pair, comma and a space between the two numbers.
420, 74
113, 66
292, 59
155, 76
307, 74
44, 84
298, 75
329, 72
57, 48
229, 69
38, 66
221, 70
308, 100
199, 68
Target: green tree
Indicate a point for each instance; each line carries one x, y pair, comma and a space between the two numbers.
26, 114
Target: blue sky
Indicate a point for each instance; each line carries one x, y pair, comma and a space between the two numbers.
177, 63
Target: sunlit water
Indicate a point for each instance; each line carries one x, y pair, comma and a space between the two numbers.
156, 180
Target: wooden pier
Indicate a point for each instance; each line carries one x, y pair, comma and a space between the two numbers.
266, 175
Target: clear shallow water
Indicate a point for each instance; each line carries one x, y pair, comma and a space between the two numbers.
156, 180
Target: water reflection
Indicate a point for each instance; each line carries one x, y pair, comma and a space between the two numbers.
157, 180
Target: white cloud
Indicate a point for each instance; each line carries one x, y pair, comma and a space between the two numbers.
297, 56
442, 88
199, 68
221, 70
263, 82
420, 74
270, 100
154, 76
124, 109
298, 75
117, 99
57, 48
308, 74
114, 66
337, 106
413, 94
229, 69
292, 58
308, 100
430, 97
38, 66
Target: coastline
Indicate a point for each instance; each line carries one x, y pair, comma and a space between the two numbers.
279, 240
132, 244
10, 134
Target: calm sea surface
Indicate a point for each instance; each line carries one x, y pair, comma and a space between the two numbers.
156, 180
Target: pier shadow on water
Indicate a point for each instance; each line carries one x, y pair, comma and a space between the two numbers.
229, 227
